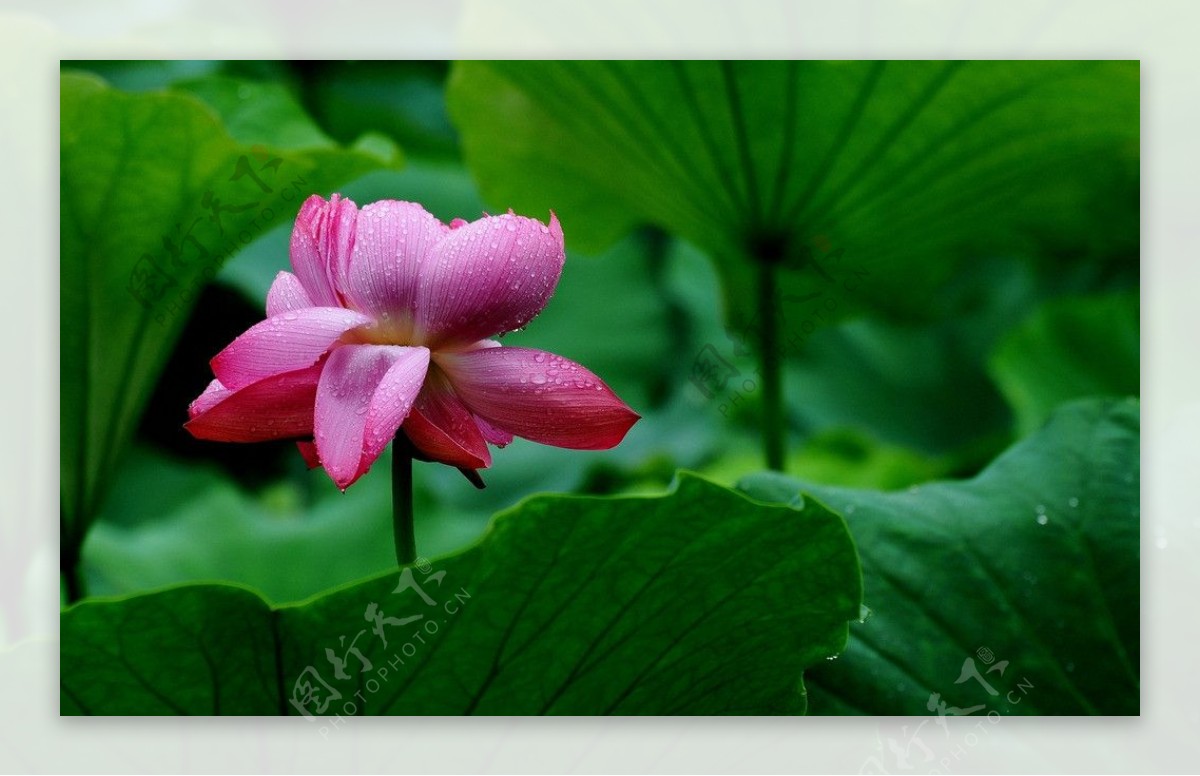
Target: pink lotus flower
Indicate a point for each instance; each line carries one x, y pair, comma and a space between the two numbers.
384, 326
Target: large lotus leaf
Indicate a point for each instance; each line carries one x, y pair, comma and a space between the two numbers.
697, 602
1016, 591
869, 182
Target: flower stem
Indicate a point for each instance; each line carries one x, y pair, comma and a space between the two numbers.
770, 366
402, 502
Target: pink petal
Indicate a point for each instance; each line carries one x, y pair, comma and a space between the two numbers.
539, 396
277, 407
392, 240
213, 394
287, 295
364, 395
492, 434
444, 430
283, 343
322, 240
393, 401
490, 276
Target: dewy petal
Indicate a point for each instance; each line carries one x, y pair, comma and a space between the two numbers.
364, 391
307, 260
277, 407
492, 434
393, 401
463, 347
443, 429
283, 343
213, 394
287, 295
490, 276
539, 396
308, 451
391, 241
322, 240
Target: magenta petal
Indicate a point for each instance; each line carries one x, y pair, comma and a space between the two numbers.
308, 451
213, 394
364, 395
443, 429
539, 396
282, 344
392, 239
492, 434
322, 240
287, 295
277, 407
490, 276
393, 401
